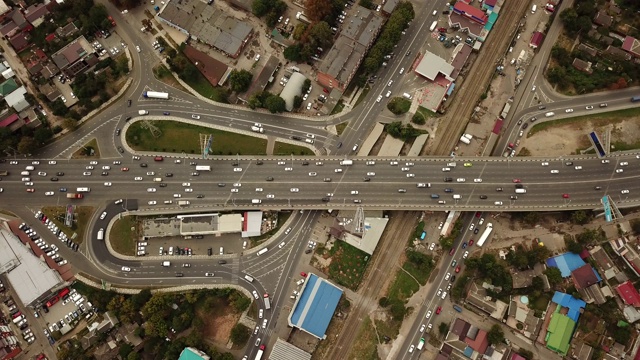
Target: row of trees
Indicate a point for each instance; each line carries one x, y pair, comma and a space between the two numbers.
389, 38
524, 259
489, 268
269, 9
402, 131
310, 38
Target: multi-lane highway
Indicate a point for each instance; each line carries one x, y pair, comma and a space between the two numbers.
323, 183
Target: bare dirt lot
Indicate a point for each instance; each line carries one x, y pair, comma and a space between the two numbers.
571, 136
218, 326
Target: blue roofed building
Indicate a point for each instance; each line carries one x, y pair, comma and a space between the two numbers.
563, 321
566, 263
314, 308
190, 353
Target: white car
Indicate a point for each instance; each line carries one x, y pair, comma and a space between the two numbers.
107, 184
440, 226
294, 190
151, 190
439, 292
255, 295
137, 178
432, 246
569, 111
52, 162
390, 83
87, 173
448, 276
624, 191
472, 226
461, 179
288, 169
411, 348
618, 171
422, 328
428, 314
379, 98
545, 164
137, 48
42, 173
234, 190
371, 174
259, 189
605, 161
126, 268
465, 255
578, 167
186, 184
555, 171
49, 193
313, 173
477, 180
188, 190
388, 93
405, 169
624, 163
106, 167
411, 175
177, 195
150, 173
237, 169
271, 196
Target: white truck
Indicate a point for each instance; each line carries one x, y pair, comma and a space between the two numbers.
155, 95
143, 112
346, 162
184, 203
302, 17
465, 140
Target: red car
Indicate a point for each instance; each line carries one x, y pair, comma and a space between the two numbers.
124, 169
453, 250
158, 158
470, 242
438, 310
31, 190
566, 196
458, 268
325, 90
478, 213
516, 180
303, 274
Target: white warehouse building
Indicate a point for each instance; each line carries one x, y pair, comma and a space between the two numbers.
292, 89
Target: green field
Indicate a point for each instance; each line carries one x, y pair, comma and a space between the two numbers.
122, 238
82, 215
177, 137
348, 264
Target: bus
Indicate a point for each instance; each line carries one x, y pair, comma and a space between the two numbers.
635, 98
267, 302
203, 168
420, 344
263, 251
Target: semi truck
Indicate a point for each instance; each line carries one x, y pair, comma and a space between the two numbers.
184, 202
485, 235
260, 352
143, 112
74, 196
155, 95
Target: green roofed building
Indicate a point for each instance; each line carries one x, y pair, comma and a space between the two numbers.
559, 333
190, 353
8, 87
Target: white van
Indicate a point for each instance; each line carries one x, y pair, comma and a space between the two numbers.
406, 96
221, 250
248, 278
25, 173
534, 8
457, 196
256, 201
521, 191
166, 263
30, 168
451, 164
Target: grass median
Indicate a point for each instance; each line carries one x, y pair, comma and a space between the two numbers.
177, 137
123, 236
281, 148
597, 120
81, 217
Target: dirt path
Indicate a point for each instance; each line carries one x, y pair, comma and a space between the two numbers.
452, 125
390, 249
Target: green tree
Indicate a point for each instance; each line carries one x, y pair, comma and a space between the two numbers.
134, 356
240, 334
42, 135
580, 217
532, 218
537, 284
321, 33
443, 328
635, 226
573, 246
297, 102
495, 334
27, 145
275, 104
317, 10
124, 350
293, 53
239, 81
397, 310
527, 354
418, 119
553, 275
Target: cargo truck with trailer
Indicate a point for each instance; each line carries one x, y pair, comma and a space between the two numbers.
155, 95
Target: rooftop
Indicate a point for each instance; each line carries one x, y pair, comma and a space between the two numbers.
432, 65
585, 276
213, 70
566, 263
373, 229
314, 309
629, 293
190, 353
283, 350
631, 45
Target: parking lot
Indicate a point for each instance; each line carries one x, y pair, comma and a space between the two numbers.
194, 245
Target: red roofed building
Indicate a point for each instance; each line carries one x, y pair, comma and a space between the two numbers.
470, 12
536, 39
632, 46
213, 70
629, 294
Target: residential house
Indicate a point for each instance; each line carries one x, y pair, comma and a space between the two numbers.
67, 30
564, 312
470, 12
389, 6
76, 57
603, 19
466, 340
216, 72
35, 14
629, 294
627, 252
580, 351
604, 262
478, 297
13, 122
587, 49
632, 46
7, 87
343, 59
19, 41
264, 78
17, 23
615, 51
5, 11
586, 280
17, 100
520, 313
584, 66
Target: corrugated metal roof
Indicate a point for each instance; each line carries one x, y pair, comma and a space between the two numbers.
283, 350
